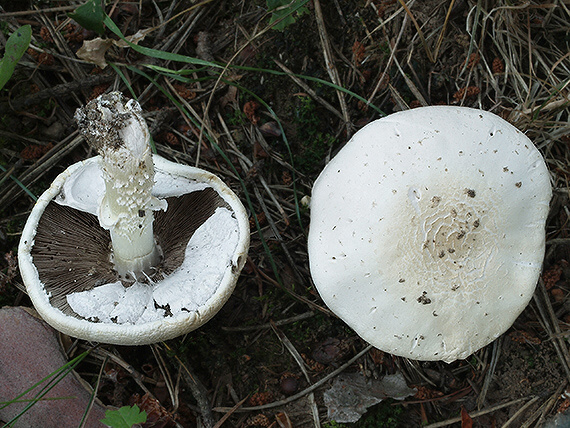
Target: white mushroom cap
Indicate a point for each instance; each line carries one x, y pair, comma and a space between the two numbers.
428, 230
65, 264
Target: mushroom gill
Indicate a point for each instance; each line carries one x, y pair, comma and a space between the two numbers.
71, 251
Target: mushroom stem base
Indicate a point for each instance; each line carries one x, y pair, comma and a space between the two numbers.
130, 262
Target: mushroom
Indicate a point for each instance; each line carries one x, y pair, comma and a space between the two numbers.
428, 230
127, 247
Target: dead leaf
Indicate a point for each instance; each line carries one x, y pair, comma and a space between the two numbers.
466, 421
250, 111
270, 129
93, 51
351, 394
134, 39
283, 420
230, 97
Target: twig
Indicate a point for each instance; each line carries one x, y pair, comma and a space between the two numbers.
299, 360
393, 49
44, 164
285, 321
199, 392
558, 241
295, 295
302, 393
545, 408
419, 31
478, 413
166, 375
33, 12
229, 413
520, 412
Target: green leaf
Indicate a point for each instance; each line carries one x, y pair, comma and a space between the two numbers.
16, 45
90, 16
125, 417
285, 12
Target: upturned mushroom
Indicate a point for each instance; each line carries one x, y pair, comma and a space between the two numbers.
427, 230
127, 247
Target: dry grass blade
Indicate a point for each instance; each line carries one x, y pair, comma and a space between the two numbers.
299, 360
230, 412
329, 63
519, 412
419, 31
545, 408
277, 323
167, 377
309, 91
490, 373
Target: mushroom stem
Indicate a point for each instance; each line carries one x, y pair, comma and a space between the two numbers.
116, 129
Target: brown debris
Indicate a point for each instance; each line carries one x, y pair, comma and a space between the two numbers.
330, 351
259, 152
286, 178
473, 60
11, 271
260, 398
157, 415
524, 337
259, 420
98, 90
558, 294
46, 35
358, 51
261, 219
552, 275
467, 92
168, 138
564, 406
250, 111
184, 91
35, 151
498, 66
425, 393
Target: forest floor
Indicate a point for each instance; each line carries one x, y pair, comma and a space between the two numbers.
274, 96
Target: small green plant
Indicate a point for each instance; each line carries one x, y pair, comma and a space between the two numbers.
237, 118
16, 45
90, 16
125, 417
285, 12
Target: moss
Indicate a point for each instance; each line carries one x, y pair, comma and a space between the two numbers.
313, 142
383, 415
